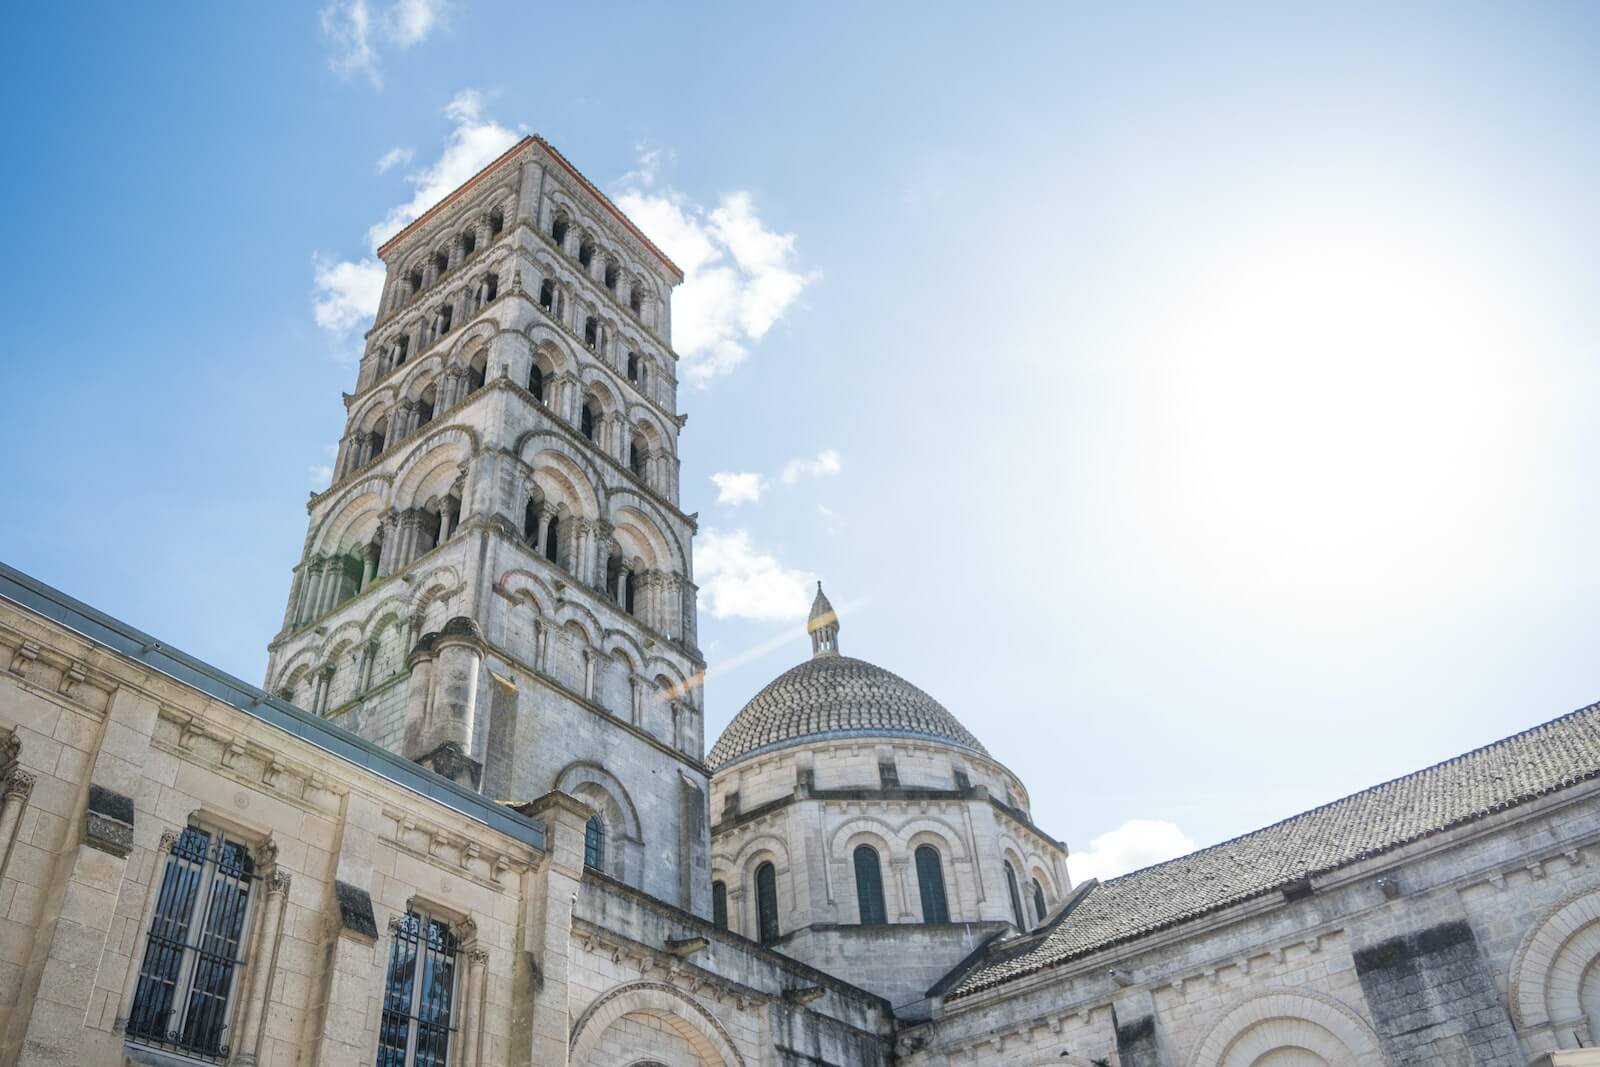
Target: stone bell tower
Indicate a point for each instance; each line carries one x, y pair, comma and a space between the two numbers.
498, 583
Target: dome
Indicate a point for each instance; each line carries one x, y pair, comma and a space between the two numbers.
831, 696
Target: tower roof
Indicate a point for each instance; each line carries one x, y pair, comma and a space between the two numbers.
832, 696
822, 612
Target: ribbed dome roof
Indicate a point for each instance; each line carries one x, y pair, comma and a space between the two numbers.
836, 696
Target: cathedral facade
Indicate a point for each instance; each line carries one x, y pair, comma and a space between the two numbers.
470, 820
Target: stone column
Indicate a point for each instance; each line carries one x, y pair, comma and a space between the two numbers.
13, 798
452, 718
898, 866
471, 1011
324, 689
276, 883
541, 1014
369, 563
419, 690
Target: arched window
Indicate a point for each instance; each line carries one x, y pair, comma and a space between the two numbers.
547, 295
635, 300
627, 593
586, 253
586, 420
767, 903
1016, 899
425, 404
633, 366
552, 546
591, 331
611, 276
614, 577
558, 230
1038, 902
497, 222
719, 905
638, 453
930, 882
415, 282
441, 263
380, 435
536, 383
469, 243
475, 373
869, 885
594, 843
491, 287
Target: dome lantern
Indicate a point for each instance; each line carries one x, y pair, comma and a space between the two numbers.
823, 626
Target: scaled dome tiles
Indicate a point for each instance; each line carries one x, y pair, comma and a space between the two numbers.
836, 696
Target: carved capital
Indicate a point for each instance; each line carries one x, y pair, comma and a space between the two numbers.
18, 785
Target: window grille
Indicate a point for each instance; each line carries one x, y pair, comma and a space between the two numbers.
418, 993
888, 774
719, 905
767, 903
194, 950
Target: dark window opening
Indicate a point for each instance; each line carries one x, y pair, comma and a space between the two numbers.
1038, 902
888, 774
552, 540
869, 886
627, 595
547, 295
416, 282
1016, 898
636, 301
633, 366
586, 420
497, 222
558, 230
441, 263
446, 313
469, 244
425, 406
586, 253
475, 375
491, 287
767, 903
531, 516
637, 456
930, 884
536, 383
611, 276
591, 331
719, 905
402, 347
594, 844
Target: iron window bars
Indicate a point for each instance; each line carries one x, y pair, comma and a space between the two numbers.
194, 950
418, 993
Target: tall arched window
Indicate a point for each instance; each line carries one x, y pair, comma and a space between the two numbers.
719, 905
1038, 902
638, 453
930, 882
869, 885
586, 420
536, 383
586, 253
767, 903
558, 230
1016, 898
633, 366
591, 331
594, 843
531, 522
547, 295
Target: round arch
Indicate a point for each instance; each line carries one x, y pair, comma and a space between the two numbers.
677, 1010
1279, 1019
1549, 967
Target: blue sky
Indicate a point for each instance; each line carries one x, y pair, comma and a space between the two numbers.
1198, 403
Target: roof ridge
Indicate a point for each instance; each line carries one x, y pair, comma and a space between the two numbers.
1501, 743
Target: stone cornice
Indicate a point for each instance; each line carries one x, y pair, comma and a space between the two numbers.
867, 795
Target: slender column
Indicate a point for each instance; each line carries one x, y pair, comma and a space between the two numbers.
13, 798
633, 699
899, 868
369, 563
471, 1014
588, 674
369, 658
255, 1005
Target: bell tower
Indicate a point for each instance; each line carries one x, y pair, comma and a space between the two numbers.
498, 583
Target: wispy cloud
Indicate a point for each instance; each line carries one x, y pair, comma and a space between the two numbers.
738, 581
347, 292
821, 465
395, 157
740, 277
321, 474
352, 31
734, 489
1136, 843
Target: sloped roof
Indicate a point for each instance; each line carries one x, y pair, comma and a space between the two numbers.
1539, 761
836, 696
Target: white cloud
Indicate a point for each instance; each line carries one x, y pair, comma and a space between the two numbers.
1136, 843
739, 582
473, 144
347, 292
741, 488
346, 295
395, 157
739, 277
322, 473
351, 31
824, 463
